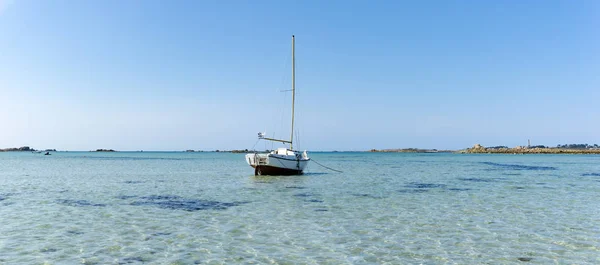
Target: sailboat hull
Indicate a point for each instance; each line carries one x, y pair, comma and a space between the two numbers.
273, 164
276, 171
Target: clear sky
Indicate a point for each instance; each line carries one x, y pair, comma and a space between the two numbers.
176, 75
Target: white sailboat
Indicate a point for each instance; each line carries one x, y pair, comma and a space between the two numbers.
283, 161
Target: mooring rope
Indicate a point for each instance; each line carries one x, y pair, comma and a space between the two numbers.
326, 166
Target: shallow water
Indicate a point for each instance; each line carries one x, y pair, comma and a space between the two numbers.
208, 208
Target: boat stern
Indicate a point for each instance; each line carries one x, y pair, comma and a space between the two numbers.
257, 159
250, 159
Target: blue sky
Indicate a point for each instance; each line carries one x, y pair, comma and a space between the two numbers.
176, 75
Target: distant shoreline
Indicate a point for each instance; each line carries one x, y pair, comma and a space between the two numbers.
476, 149
410, 150
479, 149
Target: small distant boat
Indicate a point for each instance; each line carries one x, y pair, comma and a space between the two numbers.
283, 161
47, 154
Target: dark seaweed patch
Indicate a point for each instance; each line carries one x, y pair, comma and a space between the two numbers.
161, 197
314, 200
518, 167
80, 203
178, 203
476, 179
161, 234
524, 259
365, 195
321, 210
458, 189
74, 232
413, 190
48, 250
125, 197
4, 196
133, 181
418, 185
130, 260
303, 195
295, 187
591, 175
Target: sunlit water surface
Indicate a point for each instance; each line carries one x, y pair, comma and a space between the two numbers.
209, 208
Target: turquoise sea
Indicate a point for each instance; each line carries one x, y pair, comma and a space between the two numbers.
385, 208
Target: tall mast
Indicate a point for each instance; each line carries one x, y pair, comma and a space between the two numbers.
293, 88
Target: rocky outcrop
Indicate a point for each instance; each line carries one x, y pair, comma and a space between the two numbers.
479, 149
242, 151
105, 150
24, 148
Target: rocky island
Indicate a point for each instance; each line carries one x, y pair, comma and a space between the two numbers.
540, 149
105, 150
21, 149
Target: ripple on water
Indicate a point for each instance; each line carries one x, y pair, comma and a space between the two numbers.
125, 158
511, 174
